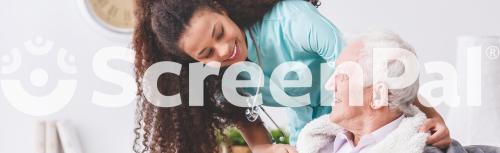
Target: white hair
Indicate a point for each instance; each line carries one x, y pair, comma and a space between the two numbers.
400, 99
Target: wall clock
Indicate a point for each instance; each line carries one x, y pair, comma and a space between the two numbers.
113, 15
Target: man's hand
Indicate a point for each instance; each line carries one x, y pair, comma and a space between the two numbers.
273, 148
440, 135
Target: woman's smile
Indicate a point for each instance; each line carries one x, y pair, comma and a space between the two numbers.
236, 51
221, 41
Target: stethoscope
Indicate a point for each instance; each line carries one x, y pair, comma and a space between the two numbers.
253, 110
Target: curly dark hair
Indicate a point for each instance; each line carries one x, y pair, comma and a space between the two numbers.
159, 25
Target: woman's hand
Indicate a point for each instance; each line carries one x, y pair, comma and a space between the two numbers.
273, 148
259, 140
440, 135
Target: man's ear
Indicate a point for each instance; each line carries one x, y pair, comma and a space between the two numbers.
380, 96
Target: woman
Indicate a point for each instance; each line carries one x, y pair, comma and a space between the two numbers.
188, 31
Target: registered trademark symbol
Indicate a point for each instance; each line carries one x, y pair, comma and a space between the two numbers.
493, 52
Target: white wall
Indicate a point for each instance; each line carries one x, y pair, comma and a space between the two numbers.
101, 130
431, 26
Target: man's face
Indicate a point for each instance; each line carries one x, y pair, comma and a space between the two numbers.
339, 84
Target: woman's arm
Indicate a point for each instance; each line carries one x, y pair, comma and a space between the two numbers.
259, 140
440, 135
254, 133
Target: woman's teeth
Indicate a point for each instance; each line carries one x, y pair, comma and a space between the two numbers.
235, 50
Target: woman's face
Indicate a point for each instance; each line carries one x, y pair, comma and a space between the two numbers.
213, 37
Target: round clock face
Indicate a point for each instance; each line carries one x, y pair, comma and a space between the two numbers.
116, 15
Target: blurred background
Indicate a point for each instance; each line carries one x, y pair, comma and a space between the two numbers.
46, 34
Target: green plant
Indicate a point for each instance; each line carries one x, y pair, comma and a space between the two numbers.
234, 137
279, 138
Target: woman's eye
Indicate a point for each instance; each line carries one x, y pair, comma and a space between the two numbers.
221, 33
208, 53
205, 53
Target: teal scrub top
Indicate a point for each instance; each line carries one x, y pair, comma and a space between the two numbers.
294, 30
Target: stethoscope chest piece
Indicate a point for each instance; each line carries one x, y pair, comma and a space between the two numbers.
252, 112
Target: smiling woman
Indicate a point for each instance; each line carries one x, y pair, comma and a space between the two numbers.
225, 31
222, 42
161, 25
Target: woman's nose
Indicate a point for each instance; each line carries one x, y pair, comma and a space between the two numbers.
224, 50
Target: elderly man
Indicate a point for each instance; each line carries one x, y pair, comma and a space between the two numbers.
386, 122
